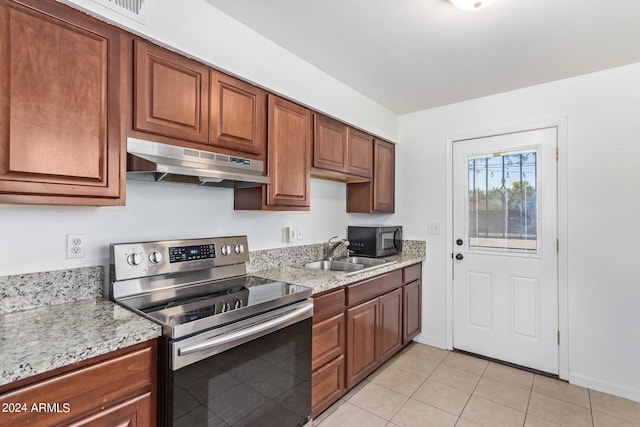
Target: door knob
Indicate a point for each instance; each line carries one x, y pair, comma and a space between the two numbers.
459, 257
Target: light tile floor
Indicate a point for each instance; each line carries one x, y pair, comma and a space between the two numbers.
428, 386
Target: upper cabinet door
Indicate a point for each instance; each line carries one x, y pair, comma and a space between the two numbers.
59, 106
340, 148
384, 160
329, 144
290, 134
378, 195
238, 114
359, 153
171, 94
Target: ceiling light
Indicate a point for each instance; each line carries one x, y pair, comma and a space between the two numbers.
471, 4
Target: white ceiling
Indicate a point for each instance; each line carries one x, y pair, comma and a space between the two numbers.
409, 55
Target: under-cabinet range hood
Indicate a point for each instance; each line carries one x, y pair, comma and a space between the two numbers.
154, 161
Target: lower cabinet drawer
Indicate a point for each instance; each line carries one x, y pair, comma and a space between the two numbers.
327, 385
133, 412
82, 392
328, 340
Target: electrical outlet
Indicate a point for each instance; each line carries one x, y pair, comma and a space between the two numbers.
75, 245
290, 234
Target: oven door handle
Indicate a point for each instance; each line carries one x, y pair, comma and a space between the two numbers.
258, 329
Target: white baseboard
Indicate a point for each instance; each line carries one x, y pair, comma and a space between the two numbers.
432, 341
604, 387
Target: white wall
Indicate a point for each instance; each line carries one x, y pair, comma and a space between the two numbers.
34, 237
602, 112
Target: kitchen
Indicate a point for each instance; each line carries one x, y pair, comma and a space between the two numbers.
601, 183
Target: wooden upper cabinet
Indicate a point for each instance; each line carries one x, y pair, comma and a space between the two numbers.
384, 159
379, 194
171, 94
329, 144
289, 144
290, 134
340, 148
359, 153
238, 114
59, 106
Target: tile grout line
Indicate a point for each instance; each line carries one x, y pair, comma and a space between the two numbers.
526, 413
593, 421
414, 392
472, 392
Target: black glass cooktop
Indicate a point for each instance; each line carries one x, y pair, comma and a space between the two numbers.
196, 307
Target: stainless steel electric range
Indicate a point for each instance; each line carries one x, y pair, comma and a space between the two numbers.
236, 349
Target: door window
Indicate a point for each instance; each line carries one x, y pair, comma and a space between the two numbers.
502, 203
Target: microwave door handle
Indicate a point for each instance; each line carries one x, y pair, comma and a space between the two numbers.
395, 239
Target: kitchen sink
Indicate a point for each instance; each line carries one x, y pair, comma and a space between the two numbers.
346, 265
333, 266
369, 262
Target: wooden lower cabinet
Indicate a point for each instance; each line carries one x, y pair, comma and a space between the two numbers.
411, 302
327, 351
115, 389
374, 334
363, 352
412, 310
390, 328
327, 385
360, 327
134, 412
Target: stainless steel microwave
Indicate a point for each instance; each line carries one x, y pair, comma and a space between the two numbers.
375, 240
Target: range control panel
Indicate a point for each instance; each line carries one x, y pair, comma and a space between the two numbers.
143, 259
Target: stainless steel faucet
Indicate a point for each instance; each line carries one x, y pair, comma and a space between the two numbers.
331, 246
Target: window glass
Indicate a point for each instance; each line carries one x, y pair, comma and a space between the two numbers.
502, 204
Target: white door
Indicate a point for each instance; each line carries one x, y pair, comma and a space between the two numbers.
505, 278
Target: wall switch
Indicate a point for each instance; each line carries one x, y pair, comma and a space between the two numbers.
433, 228
290, 234
299, 235
75, 245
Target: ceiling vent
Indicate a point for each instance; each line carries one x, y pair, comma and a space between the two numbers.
134, 9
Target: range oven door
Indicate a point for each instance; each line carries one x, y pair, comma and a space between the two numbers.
254, 372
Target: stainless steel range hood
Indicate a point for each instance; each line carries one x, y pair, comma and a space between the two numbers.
154, 161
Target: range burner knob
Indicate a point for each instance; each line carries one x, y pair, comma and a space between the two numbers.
225, 307
134, 259
155, 257
238, 248
238, 304
225, 249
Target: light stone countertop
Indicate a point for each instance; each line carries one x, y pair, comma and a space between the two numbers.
43, 339
47, 337
321, 281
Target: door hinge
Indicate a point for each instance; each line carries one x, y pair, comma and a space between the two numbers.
557, 153
557, 245
558, 337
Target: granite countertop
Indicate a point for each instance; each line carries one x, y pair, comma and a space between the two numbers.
42, 339
321, 281
37, 338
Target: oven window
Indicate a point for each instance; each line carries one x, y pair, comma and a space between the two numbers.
265, 381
